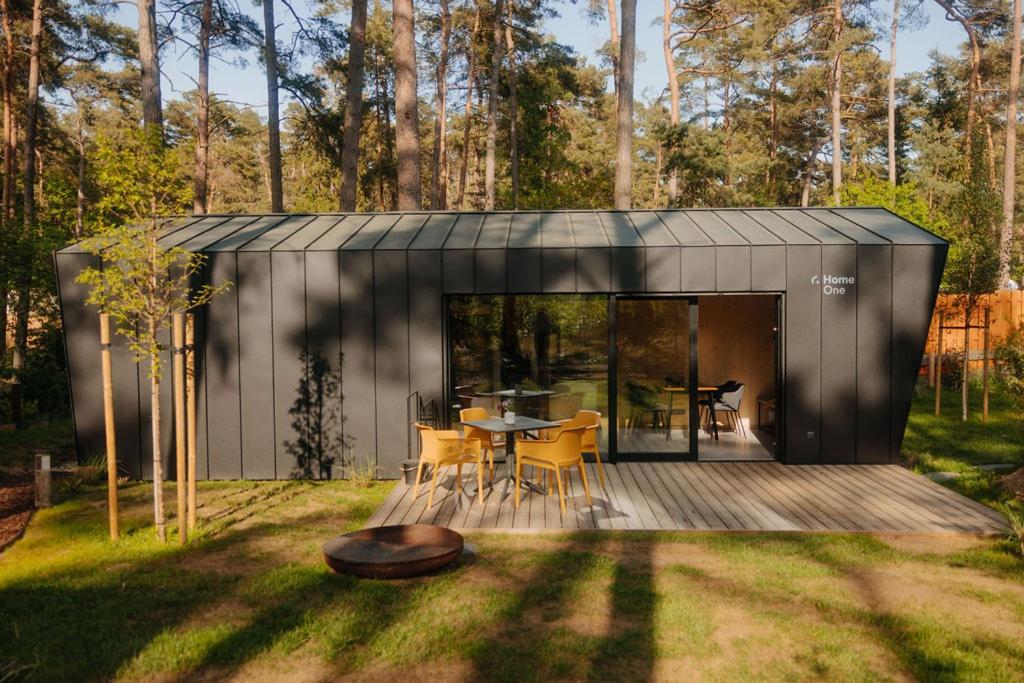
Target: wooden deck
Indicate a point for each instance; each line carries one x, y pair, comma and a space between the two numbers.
752, 496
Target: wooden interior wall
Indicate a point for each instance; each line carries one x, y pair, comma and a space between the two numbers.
734, 341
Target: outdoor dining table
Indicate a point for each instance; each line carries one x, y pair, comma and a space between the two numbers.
497, 425
672, 391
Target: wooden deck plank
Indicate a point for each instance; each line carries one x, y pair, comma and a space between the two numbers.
757, 508
854, 504
678, 516
630, 518
675, 474
687, 501
743, 518
773, 502
684, 496
940, 492
649, 513
914, 512
815, 518
877, 494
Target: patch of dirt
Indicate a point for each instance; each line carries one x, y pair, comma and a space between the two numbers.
933, 544
17, 501
1014, 483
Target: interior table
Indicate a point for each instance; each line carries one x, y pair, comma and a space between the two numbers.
497, 425
705, 390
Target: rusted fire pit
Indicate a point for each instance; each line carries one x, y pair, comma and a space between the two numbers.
393, 552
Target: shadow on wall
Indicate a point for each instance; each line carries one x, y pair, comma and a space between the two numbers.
317, 419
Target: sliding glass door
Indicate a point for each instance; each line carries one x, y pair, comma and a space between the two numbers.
655, 343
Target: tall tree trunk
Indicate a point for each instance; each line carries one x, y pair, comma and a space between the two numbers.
613, 28
470, 80
773, 123
1010, 150
807, 173
892, 91
965, 375
382, 124
158, 466
624, 117
273, 110
199, 201
80, 182
974, 79
513, 102
10, 121
490, 164
149, 62
658, 159
837, 102
407, 134
439, 173
673, 91
353, 122
27, 251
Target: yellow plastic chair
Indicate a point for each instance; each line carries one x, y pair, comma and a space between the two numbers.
591, 419
489, 441
444, 448
552, 456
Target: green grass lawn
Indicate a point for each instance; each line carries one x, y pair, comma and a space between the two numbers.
946, 443
251, 598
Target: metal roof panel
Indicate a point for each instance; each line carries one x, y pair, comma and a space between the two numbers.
556, 230
684, 229
717, 230
890, 226
619, 229
240, 238
435, 231
813, 227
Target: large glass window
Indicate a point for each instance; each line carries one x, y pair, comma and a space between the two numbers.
553, 347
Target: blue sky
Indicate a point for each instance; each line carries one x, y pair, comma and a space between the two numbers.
247, 85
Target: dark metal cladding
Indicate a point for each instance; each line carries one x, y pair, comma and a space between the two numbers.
360, 298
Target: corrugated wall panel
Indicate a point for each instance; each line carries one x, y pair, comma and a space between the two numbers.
559, 267
222, 388
82, 342
698, 269
458, 267
391, 333
732, 269
323, 337
593, 269
663, 269
524, 270
127, 382
288, 277
256, 365
358, 385
916, 273
199, 339
768, 268
838, 354
627, 269
489, 271
803, 355
874, 353
426, 331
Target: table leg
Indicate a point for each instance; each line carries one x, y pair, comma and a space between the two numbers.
714, 418
510, 463
668, 418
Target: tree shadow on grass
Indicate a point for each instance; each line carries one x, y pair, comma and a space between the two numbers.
527, 640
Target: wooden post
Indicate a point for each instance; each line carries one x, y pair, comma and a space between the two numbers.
984, 366
43, 480
931, 369
108, 420
190, 383
938, 364
178, 340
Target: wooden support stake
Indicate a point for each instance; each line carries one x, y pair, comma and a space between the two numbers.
190, 383
108, 423
938, 364
43, 480
984, 367
178, 340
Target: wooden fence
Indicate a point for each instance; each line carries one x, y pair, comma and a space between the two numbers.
1006, 311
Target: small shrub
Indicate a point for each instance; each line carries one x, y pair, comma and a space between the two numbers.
94, 470
1015, 518
1010, 366
952, 369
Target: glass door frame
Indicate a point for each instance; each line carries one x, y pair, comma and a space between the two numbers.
613, 381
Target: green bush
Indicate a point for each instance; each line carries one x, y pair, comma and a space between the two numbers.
1010, 366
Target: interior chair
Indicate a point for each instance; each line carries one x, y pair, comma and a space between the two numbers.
441, 448
728, 403
643, 400
553, 456
489, 441
716, 396
591, 419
